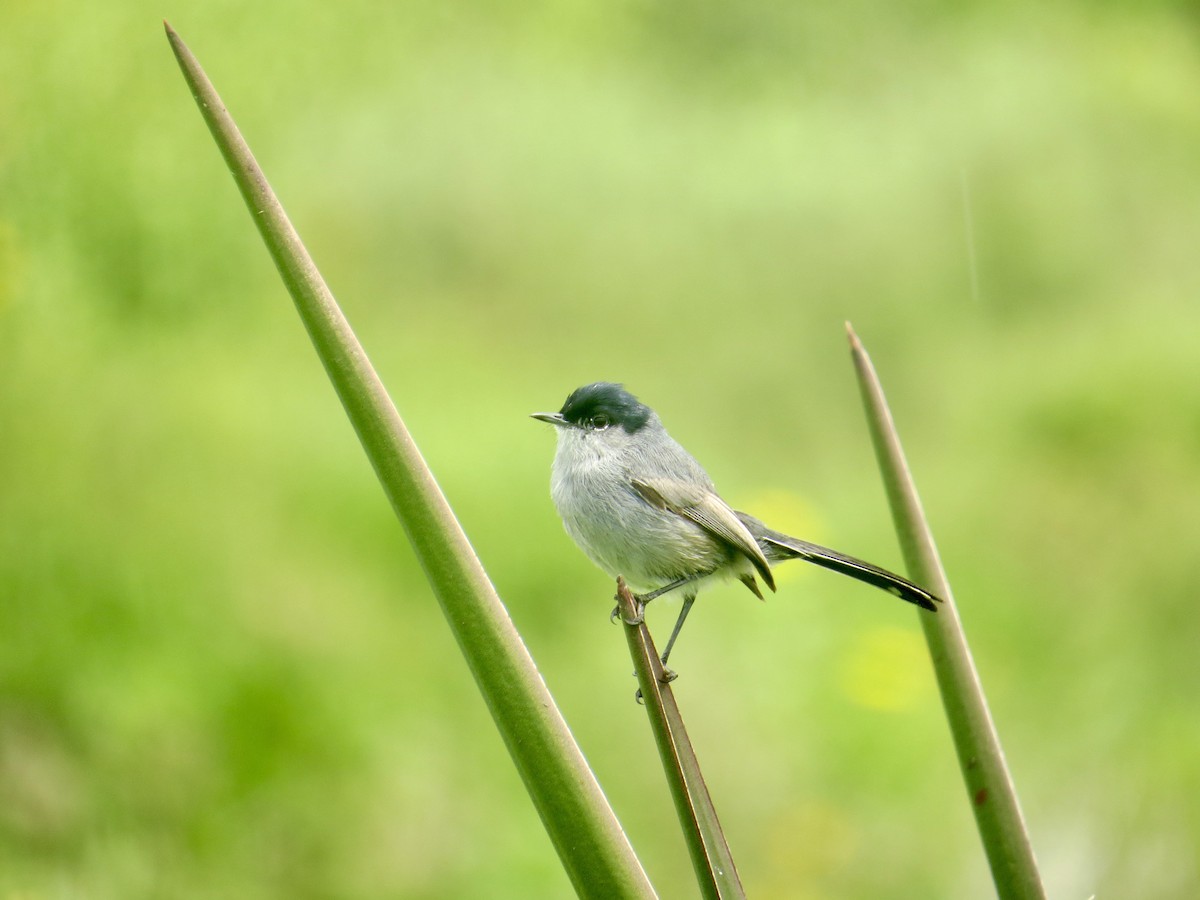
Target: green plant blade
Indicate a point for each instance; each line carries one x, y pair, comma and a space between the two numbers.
989, 784
713, 863
589, 840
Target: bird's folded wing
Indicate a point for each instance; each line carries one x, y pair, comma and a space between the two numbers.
708, 511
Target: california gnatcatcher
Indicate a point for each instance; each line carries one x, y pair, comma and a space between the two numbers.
641, 507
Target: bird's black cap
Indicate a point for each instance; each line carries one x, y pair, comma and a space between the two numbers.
606, 399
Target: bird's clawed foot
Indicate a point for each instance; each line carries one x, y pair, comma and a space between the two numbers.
639, 613
668, 675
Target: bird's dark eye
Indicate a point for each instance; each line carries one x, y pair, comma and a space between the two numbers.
600, 421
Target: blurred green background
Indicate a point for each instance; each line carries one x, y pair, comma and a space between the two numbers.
222, 673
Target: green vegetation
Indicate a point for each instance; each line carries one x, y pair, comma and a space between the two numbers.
222, 672
991, 793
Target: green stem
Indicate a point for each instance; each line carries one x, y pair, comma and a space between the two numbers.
581, 825
990, 789
711, 859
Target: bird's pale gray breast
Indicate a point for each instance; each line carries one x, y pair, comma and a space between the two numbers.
617, 528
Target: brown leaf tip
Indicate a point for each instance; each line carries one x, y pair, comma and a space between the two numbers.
855, 344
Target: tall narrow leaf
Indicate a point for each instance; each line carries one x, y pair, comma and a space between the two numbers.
990, 787
589, 840
713, 863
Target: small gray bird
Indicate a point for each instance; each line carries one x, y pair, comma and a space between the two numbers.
640, 506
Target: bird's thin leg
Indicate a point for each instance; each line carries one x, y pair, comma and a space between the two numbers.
687, 607
643, 599
677, 583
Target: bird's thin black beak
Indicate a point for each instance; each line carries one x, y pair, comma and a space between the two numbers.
552, 418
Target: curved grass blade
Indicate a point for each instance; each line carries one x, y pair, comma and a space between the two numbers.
711, 859
589, 840
989, 784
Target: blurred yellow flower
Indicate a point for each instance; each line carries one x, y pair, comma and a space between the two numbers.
886, 670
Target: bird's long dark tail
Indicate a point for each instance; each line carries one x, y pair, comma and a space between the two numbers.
778, 547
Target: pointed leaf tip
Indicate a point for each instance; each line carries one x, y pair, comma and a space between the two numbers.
173, 38
855, 343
